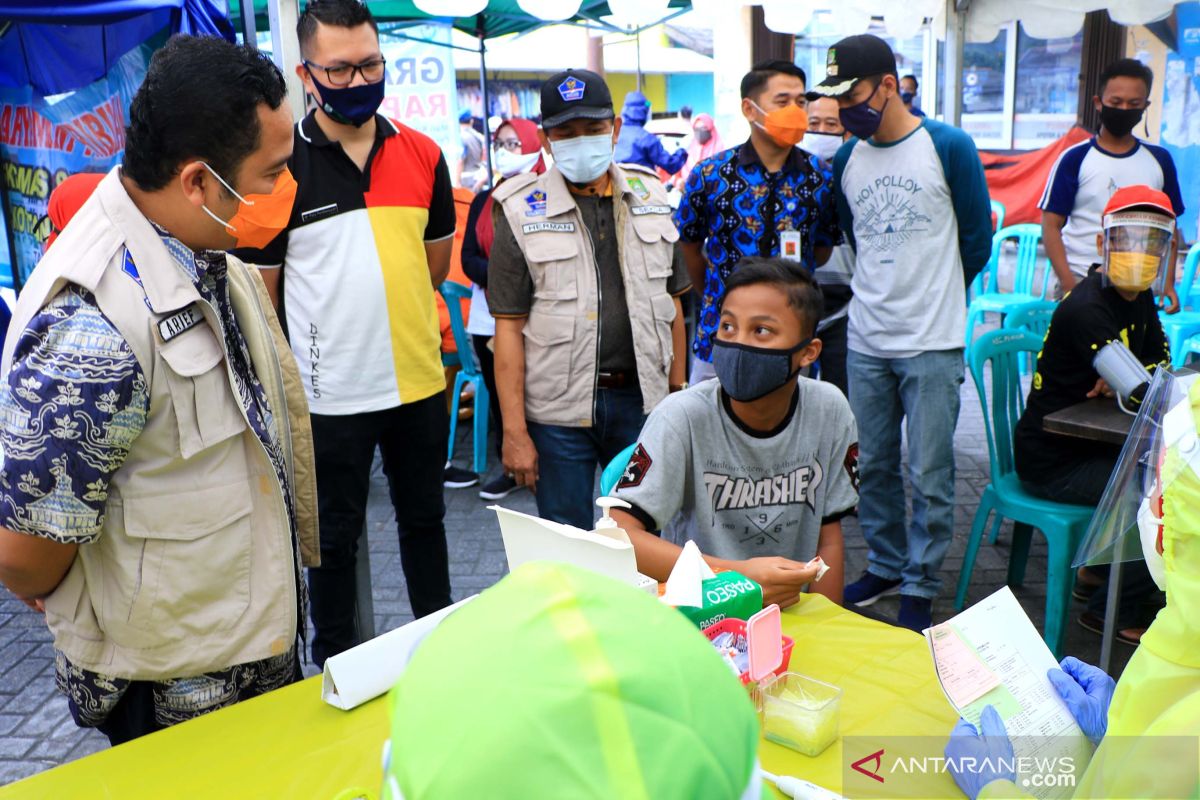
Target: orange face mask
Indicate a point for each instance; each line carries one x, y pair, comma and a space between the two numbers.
786, 125
260, 217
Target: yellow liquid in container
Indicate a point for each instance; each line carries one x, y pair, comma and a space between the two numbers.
801, 713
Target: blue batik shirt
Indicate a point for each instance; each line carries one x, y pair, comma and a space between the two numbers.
75, 401
738, 209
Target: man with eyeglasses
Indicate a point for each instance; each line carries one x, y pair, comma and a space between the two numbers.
353, 276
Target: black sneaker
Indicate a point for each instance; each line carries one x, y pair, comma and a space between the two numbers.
499, 487
458, 478
916, 613
869, 588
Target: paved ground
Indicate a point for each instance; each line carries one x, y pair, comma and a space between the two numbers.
36, 731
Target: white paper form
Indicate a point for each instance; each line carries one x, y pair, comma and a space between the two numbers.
991, 654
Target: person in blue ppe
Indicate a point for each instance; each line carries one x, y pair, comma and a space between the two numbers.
636, 145
1144, 727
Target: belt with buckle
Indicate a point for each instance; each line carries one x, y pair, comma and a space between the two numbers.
616, 380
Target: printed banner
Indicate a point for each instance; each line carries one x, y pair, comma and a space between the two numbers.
1180, 133
421, 91
45, 139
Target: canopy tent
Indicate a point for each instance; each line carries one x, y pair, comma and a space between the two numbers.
1041, 19
60, 46
499, 17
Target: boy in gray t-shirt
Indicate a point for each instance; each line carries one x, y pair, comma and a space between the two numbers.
757, 467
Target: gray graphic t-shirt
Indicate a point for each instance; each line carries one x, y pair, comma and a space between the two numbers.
698, 474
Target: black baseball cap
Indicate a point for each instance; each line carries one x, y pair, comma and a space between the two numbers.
851, 60
575, 94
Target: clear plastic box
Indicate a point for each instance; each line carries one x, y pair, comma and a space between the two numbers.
800, 712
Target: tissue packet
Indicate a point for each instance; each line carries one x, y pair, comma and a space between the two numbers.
728, 595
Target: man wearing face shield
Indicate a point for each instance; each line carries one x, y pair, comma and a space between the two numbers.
157, 497
583, 280
1144, 727
1115, 302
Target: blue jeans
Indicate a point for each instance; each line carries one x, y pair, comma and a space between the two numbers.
884, 393
568, 457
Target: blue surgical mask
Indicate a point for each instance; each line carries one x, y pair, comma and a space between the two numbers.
748, 373
351, 105
862, 120
907, 97
584, 158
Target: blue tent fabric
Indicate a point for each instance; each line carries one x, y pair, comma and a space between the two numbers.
57, 47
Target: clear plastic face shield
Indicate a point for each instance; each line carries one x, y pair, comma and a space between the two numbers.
1163, 442
1137, 246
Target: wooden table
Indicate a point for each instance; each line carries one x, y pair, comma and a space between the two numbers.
1098, 419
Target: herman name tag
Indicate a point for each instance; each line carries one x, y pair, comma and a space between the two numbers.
642, 210
180, 321
557, 227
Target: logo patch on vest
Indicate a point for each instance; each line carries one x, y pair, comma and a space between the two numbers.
556, 227
537, 203
641, 211
179, 322
639, 188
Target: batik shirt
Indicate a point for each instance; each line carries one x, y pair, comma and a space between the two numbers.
738, 209
75, 401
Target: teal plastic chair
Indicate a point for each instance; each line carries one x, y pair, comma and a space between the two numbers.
1190, 346
615, 469
987, 298
1181, 326
1062, 525
998, 213
468, 373
1034, 317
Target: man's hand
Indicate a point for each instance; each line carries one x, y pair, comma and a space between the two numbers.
781, 579
1101, 389
1170, 300
521, 459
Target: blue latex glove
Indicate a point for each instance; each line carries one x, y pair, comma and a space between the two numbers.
991, 750
1088, 692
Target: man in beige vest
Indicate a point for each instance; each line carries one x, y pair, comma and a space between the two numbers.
157, 495
583, 280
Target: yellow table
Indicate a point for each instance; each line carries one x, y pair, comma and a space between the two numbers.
289, 744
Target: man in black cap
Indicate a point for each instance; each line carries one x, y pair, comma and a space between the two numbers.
583, 280
913, 203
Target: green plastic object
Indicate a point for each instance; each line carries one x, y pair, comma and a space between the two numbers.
730, 595
1062, 525
559, 682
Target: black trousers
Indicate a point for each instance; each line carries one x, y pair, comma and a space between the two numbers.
487, 365
412, 442
833, 354
1083, 484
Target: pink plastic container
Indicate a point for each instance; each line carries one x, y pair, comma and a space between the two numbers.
738, 626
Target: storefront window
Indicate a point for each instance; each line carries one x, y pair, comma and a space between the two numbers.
1047, 99
983, 91
813, 45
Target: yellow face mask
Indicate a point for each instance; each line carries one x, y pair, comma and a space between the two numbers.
1133, 271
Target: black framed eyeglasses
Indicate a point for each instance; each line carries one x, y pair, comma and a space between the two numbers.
343, 75
511, 145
